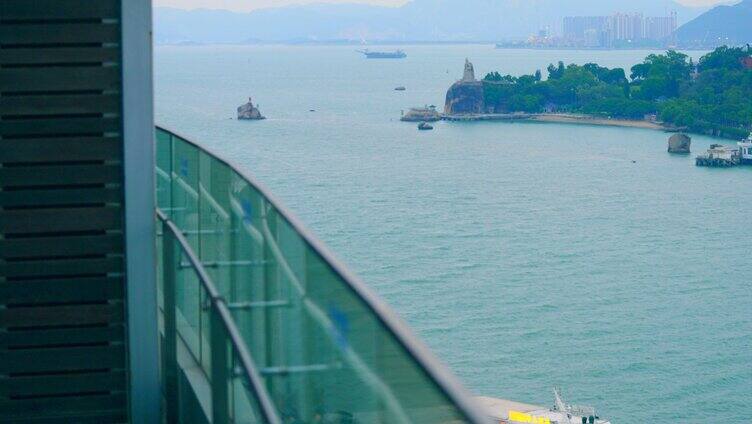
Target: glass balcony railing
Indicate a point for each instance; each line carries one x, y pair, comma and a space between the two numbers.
264, 325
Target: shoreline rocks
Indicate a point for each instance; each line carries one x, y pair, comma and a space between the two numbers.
465, 97
679, 143
249, 112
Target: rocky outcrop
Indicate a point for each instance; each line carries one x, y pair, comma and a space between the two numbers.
421, 114
679, 143
465, 97
249, 111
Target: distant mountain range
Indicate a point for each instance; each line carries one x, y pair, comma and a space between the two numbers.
720, 25
418, 20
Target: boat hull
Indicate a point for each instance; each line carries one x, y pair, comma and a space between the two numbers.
372, 56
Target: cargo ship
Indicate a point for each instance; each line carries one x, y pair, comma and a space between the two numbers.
397, 54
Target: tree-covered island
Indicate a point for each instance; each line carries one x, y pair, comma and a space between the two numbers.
713, 96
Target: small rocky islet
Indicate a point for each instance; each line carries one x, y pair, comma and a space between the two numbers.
679, 143
249, 111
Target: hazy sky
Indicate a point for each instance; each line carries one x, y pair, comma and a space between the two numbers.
245, 5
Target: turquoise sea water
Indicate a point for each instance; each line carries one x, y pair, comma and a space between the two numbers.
526, 255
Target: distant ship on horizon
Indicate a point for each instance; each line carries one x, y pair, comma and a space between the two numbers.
397, 54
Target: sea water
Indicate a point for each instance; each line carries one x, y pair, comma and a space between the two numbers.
526, 255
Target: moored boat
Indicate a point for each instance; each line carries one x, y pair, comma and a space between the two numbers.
424, 126
502, 411
745, 150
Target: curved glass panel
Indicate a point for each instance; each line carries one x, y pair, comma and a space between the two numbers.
327, 350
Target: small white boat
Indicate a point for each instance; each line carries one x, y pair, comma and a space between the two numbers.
573, 414
745, 150
503, 411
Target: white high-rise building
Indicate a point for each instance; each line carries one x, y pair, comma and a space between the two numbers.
604, 31
659, 28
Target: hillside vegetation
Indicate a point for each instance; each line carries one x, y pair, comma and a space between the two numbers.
713, 96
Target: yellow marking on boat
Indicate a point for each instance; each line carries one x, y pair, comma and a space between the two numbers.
520, 417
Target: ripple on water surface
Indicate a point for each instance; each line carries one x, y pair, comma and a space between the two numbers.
526, 255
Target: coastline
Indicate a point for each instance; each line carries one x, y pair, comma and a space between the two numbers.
562, 118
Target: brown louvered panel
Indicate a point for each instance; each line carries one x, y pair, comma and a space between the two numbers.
35, 386
24, 317
63, 267
62, 317
51, 33
75, 289
59, 196
58, 246
66, 126
60, 405
29, 105
35, 221
98, 417
60, 359
56, 10
14, 80
36, 338
56, 56
50, 385
55, 149
59, 175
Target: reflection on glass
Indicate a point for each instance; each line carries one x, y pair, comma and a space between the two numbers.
324, 354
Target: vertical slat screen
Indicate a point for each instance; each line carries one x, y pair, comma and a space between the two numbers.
62, 352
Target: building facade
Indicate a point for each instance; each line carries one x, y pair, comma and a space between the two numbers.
618, 30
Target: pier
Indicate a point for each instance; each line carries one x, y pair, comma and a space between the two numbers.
719, 156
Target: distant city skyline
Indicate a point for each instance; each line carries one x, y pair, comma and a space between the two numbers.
615, 30
248, 5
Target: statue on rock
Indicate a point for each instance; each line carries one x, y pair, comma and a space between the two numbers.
465, 97
469, 75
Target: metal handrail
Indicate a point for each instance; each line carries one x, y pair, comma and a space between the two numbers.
220, 305
443, 378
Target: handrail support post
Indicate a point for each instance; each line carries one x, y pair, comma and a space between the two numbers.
219, 367
169, 358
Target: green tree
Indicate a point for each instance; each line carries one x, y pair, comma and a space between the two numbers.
717, 101
724, 58
556, 72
